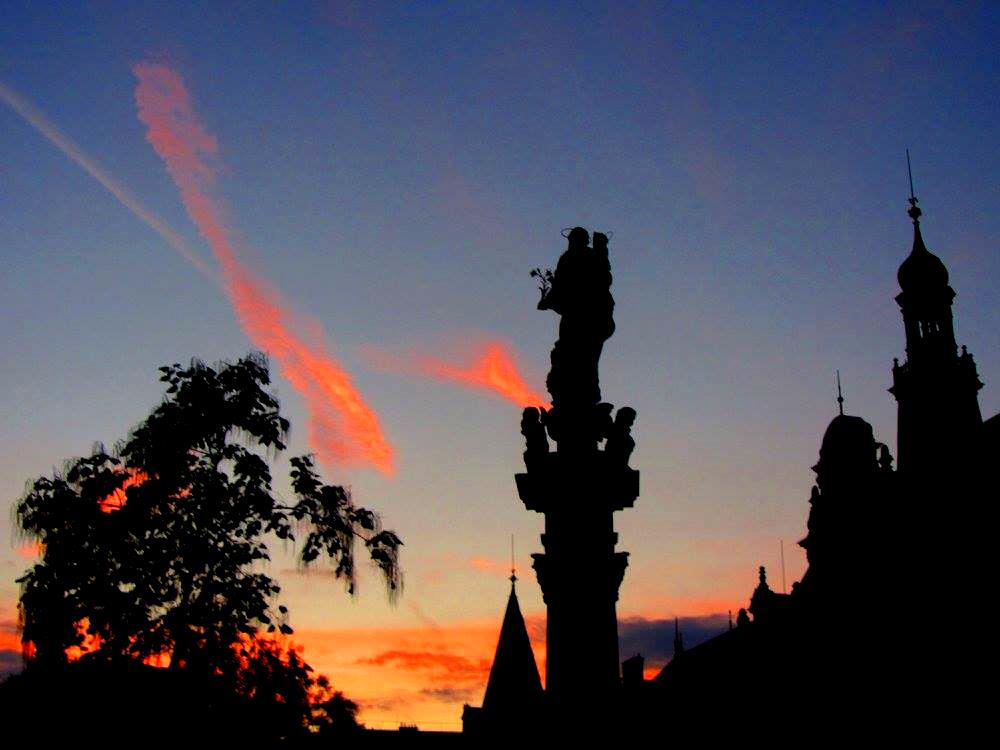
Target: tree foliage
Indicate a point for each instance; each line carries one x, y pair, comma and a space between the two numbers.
159, 548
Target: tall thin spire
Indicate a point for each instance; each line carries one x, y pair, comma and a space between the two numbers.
914, 210
840, 395
678, 638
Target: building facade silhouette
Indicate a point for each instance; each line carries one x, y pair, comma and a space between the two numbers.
856, 645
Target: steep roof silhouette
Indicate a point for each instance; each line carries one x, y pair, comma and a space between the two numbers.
514, 682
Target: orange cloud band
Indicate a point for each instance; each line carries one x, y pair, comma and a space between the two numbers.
343, 428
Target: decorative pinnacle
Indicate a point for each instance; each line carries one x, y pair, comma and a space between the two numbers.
840, 395
513, 567
914, 210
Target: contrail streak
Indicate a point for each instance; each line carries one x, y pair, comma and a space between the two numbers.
31, 114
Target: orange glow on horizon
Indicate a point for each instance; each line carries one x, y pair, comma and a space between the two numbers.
415, 675
343, 428
90, 642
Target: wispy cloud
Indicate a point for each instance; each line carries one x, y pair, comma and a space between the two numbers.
343, 428
486, 365
489, 565
439, 664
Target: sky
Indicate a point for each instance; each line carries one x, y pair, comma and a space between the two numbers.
362, 189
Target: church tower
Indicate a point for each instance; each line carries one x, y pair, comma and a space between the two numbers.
937, 386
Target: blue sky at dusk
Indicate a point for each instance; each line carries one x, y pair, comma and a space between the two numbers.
396, 170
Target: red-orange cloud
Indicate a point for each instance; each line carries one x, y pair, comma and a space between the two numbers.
420, 674
486, 365
441, 665
343, 428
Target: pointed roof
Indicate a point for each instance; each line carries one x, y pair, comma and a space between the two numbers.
514, 682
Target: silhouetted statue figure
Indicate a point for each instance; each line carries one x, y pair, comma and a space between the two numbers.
620, 441
534, 433
581, 294
884, 457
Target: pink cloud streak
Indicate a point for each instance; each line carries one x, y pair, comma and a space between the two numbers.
343, 428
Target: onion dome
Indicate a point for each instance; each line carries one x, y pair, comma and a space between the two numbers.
922, 269
848, 442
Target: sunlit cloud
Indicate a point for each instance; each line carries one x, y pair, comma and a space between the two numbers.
34, 117
489, 565
485, 365
421, 674
343, 428
438, 665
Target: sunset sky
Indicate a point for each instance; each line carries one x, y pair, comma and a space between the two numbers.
361, 190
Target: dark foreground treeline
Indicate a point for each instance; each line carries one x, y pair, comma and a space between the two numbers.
115, 704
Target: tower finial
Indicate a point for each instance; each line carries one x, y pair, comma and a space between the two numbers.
914, 210
840, 395
513, 567
678, 638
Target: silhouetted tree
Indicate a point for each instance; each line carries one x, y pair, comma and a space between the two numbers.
156, 551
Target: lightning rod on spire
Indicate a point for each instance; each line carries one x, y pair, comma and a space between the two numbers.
914, 210
909, 172
840, 395
513, 567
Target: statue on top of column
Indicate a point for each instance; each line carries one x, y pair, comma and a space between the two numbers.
580, 292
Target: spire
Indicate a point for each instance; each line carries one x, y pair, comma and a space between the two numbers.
678, 638
914, 210
840, 395
513, 567
922, 269
514, 685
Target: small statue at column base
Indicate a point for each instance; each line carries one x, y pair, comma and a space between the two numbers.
620, 441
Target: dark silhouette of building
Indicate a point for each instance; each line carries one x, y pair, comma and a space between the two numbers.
855, 646
514, 695
936, 387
